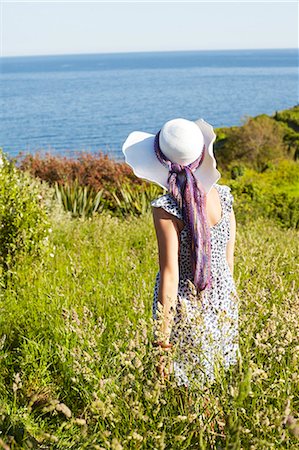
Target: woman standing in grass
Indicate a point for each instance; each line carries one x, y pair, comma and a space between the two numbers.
195, 304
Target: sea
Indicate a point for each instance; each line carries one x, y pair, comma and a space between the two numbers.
68, 104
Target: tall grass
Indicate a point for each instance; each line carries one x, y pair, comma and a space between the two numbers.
77, 369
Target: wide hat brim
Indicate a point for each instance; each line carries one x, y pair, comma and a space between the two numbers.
140, 155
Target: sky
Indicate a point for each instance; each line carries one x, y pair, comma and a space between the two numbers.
43, 27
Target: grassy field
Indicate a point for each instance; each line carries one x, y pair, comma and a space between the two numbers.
77, 370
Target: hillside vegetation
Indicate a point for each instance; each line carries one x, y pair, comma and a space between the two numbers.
78, 260
258, 160
77, 366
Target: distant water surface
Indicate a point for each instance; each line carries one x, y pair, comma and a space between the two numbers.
91, 102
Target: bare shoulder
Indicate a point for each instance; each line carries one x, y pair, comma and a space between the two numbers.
165, 220
166, 209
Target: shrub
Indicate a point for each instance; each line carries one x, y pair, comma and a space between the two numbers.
284, 208
23, 216
236, 170
134, 200
123, 200
290, 118
81, 201
259, 141
273, 194
89, 169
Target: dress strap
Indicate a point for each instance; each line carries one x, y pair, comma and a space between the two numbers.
169, 204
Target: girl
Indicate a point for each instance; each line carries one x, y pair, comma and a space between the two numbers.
195, 303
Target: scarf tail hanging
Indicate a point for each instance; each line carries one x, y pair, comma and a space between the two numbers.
191, 198
194, 212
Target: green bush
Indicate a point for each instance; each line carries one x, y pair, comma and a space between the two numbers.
272, 194
284, 208
259, 141
236, 170
289, 116
124, 199
23, 216
134, 199
81, 201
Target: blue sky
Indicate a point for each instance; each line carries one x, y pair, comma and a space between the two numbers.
41, 27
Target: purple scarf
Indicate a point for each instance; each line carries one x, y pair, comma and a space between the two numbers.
191, 197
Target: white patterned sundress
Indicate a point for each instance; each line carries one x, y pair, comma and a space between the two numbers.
205, 327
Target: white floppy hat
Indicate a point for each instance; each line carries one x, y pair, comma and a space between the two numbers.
182, 142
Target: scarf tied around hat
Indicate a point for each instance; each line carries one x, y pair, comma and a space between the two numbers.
191, 198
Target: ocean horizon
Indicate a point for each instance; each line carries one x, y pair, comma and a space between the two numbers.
90, 102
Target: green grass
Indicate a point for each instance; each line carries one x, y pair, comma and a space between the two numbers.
76, 328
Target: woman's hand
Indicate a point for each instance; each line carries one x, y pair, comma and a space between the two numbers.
165, 365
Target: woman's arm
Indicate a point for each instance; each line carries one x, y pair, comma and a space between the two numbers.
231, 243
168, 246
